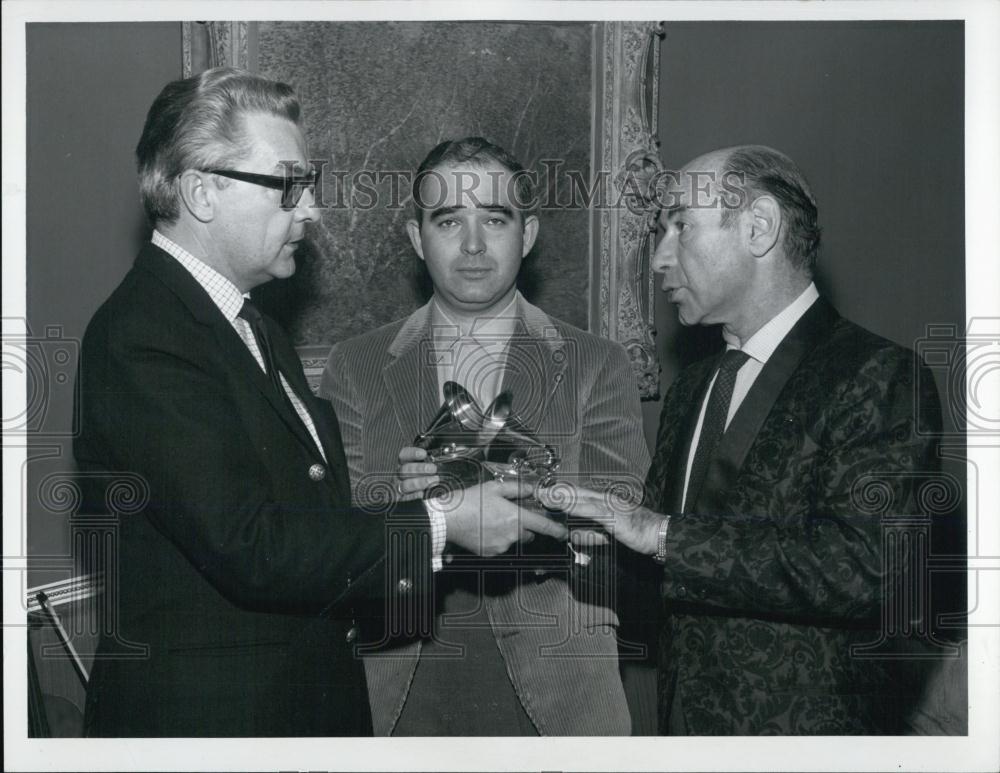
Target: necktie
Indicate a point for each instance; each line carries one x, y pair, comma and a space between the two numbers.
714, 423
292, 401
252, 315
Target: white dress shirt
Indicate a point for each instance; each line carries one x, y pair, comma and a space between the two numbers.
760, 346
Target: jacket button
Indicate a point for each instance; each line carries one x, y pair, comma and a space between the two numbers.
352, 634
405, 585
317, 472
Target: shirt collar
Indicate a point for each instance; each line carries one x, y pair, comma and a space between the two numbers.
223, 293
486, 330
761, 345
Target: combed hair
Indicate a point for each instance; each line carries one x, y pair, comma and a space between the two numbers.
479, 152
197, 123
762, 170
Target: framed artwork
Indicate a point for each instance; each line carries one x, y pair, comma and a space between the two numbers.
575, 102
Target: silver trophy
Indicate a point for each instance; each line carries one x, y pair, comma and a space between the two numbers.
470, 445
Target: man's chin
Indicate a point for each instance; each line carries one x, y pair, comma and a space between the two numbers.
686, 318
284, 269
478, 300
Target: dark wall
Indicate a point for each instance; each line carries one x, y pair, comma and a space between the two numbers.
88, 89
873, 113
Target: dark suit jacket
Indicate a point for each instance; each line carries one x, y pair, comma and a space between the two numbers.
779, 569
245, 569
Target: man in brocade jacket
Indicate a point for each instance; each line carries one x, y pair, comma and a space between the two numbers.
760, 507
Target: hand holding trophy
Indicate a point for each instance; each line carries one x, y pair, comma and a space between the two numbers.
470, 446
464, 446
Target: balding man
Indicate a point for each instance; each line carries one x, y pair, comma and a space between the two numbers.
772, 559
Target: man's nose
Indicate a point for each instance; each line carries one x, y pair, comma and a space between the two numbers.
306, 210
472, 241
664, 255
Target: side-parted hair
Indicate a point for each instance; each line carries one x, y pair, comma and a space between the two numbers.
762, 170
196, 123
477, 151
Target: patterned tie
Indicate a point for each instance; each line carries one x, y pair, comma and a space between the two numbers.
715, 422
252, 315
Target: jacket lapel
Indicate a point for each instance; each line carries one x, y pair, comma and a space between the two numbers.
291, 367
673, 486
534, 368
533, 372
739, 437
410, 376
232, 350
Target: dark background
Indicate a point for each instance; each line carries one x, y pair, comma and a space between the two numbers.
873, 113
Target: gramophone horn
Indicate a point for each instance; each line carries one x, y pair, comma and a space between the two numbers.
462, 405
458, 412
496, 418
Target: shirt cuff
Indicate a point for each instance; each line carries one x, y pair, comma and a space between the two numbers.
439, 533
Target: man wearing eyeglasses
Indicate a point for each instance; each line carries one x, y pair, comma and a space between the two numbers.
246, 570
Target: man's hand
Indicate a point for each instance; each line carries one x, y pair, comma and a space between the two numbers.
634, 526
481, 520
415, 475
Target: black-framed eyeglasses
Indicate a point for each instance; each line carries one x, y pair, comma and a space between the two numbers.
291, 188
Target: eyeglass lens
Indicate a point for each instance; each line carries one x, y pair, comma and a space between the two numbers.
293, 189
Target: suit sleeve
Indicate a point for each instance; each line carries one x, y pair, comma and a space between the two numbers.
613, 458
824, 561
157, 409
614, 455
613, 446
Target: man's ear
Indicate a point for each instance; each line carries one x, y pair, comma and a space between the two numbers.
200, 198
413, 231
765, 225
530, 234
